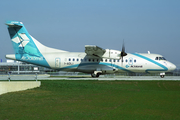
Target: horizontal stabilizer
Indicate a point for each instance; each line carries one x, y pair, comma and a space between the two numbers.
14, 24
11, 56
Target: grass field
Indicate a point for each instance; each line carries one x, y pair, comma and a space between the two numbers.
133, 100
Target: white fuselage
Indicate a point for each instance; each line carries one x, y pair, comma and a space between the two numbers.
80, 62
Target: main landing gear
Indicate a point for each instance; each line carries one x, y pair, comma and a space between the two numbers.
96, 74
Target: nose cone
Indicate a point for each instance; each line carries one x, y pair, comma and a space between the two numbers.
171, 67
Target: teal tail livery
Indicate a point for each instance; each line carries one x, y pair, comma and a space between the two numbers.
27, 49
95, 60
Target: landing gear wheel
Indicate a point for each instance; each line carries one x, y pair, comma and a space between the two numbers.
162, 76
95, 75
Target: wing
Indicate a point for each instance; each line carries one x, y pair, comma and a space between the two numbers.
94, 50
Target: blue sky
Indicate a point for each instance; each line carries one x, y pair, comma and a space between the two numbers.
145, 25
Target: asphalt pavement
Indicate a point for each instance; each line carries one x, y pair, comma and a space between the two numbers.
102, 77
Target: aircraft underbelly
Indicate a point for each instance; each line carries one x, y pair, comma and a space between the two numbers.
97, 67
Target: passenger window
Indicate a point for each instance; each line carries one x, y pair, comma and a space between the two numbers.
93, 60
126, 60
81, 59
89, 60
77, 59
134, 60
114, 60
69, 59
156, 58
109, 60
73, 59
105, 60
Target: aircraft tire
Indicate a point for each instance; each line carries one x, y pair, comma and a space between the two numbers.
94, 75
162, 76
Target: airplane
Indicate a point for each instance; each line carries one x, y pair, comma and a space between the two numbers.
95, 60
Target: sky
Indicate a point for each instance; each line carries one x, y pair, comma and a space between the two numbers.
144, 25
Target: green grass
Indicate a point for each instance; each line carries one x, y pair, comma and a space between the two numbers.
104, 100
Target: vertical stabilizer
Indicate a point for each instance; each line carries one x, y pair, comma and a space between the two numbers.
21, 40
23, 44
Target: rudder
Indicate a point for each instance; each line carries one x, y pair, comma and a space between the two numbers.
21, 40
25, 48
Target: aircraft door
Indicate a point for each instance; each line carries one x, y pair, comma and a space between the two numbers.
57, 62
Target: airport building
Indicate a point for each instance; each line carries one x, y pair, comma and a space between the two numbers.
16, 67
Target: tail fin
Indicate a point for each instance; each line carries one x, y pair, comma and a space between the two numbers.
28, 49
24, 45
21, 40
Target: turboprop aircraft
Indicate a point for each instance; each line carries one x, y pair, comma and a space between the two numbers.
95, 60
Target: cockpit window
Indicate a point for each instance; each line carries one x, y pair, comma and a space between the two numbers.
160, 58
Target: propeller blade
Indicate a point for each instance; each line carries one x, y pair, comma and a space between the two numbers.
123, 53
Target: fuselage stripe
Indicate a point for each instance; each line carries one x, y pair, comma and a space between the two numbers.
152, 61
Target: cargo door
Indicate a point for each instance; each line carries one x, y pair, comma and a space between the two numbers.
57, 63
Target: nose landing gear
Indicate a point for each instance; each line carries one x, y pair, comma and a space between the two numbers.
162, 75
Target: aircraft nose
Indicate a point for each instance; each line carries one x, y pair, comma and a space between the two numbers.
172, 67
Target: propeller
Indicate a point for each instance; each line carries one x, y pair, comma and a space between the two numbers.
123, 53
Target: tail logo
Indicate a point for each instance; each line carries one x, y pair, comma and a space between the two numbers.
21, 39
